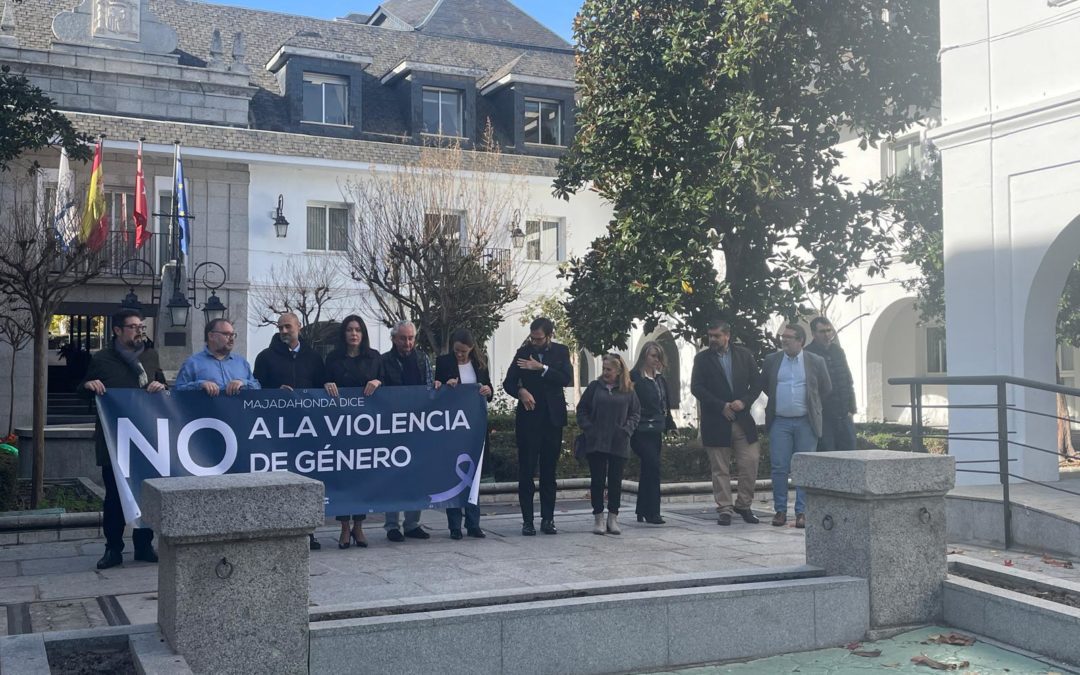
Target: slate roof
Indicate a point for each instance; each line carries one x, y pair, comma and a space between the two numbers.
494, 20
265, 32
411, 12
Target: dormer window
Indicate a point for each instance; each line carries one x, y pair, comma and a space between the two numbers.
543, 122
326, 99
443, 111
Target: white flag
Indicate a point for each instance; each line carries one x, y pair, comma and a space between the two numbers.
66, 222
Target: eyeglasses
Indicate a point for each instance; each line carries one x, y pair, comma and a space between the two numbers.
787, 336
227, 336
137, 327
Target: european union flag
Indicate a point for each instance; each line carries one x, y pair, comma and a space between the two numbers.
180, 195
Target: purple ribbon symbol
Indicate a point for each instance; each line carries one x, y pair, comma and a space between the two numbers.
465, 475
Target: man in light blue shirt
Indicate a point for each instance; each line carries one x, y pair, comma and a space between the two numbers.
796, 381
216, 368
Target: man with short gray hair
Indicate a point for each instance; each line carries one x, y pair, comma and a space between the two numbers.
402, 366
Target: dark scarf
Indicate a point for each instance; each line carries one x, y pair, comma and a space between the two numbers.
131, 357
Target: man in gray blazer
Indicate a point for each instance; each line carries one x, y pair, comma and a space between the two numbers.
796, 381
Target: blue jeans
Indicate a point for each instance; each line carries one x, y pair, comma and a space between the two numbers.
412, 521
837, 432
788, 435
472, 517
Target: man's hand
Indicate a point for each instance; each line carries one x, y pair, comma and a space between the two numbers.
526, 399
284, 386
737, 405
235, 386
437, 384
331, 388
529, 364
211, 388
484, 390
372, 385
96, 386
452, 382
154, 387
729, 412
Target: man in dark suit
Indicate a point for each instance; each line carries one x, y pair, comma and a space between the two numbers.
726, 382
796, 382
540, 371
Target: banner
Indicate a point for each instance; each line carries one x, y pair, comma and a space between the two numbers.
403, 448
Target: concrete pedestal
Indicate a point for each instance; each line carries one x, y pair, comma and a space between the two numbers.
233, 574
880, 515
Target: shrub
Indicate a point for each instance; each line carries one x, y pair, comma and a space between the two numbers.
9, 469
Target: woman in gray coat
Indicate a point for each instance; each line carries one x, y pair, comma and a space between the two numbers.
607, 414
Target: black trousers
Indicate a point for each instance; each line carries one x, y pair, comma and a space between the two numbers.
537, 444
646, 445
112, 518
603, 466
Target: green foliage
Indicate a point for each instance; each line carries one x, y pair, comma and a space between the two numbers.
710, 127
553, 306
28, 122
915, 200
9, 469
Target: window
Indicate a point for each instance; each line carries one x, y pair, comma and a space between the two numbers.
543, 240
443, 112
935, 350
451, 225
543, 122
327, 227
326, 99
903, 156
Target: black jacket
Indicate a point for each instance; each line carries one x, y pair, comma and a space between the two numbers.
352, 371
446, 368
546, 388
277, 365
710, 387
114, 372
841, 400
653, 396
390, 372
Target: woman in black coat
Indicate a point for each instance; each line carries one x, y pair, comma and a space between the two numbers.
651, 389
352, 364
607, 414
464, 365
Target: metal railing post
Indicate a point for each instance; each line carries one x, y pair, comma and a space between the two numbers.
1003, 458
916, 418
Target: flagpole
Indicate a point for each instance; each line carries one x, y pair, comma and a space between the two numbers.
174, 222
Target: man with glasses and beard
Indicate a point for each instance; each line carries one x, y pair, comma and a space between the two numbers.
216, 369
126, 364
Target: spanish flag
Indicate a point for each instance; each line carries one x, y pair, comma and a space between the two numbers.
95, 219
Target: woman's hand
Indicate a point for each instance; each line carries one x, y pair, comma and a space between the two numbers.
452, 382
372, 385
331, 388
485, 390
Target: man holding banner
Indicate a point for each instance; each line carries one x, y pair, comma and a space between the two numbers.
403, 365
216, 369
127, 364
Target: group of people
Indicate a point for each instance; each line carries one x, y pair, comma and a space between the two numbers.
810, 396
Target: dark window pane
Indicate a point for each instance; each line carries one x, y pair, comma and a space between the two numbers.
431, 112
335, 103
339, 229
532, 121
451, 114
313, 104
549, 121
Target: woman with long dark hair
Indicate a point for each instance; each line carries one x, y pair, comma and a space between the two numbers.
464, 365
352, 364
652, 391
607, 414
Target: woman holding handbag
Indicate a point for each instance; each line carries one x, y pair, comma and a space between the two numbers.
652, 391
607, 414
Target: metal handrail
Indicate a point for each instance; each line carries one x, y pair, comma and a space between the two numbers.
985, 380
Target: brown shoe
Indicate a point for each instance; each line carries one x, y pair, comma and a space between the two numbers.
800, 521
780, 519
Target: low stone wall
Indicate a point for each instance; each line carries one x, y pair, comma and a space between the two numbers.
610, 633
70, 452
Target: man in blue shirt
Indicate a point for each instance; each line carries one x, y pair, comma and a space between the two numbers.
796, 382
216, 368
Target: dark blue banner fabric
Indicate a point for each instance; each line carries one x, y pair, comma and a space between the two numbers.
403, 448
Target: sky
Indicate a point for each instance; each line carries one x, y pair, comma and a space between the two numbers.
555, 14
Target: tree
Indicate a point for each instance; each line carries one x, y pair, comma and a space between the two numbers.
29, 122
914, 199
16, 330
427, 237
38, 271
305, 286
711, 127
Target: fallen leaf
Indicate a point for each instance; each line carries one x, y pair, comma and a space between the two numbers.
1057, 563
953, 639
868, 653
852, 645
924, 660
1008, 563
957, 551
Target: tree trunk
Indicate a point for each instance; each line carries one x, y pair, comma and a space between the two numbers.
11, 405
1064, 426
37, 483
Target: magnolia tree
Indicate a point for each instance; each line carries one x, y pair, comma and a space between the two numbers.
712, 127
430, 241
